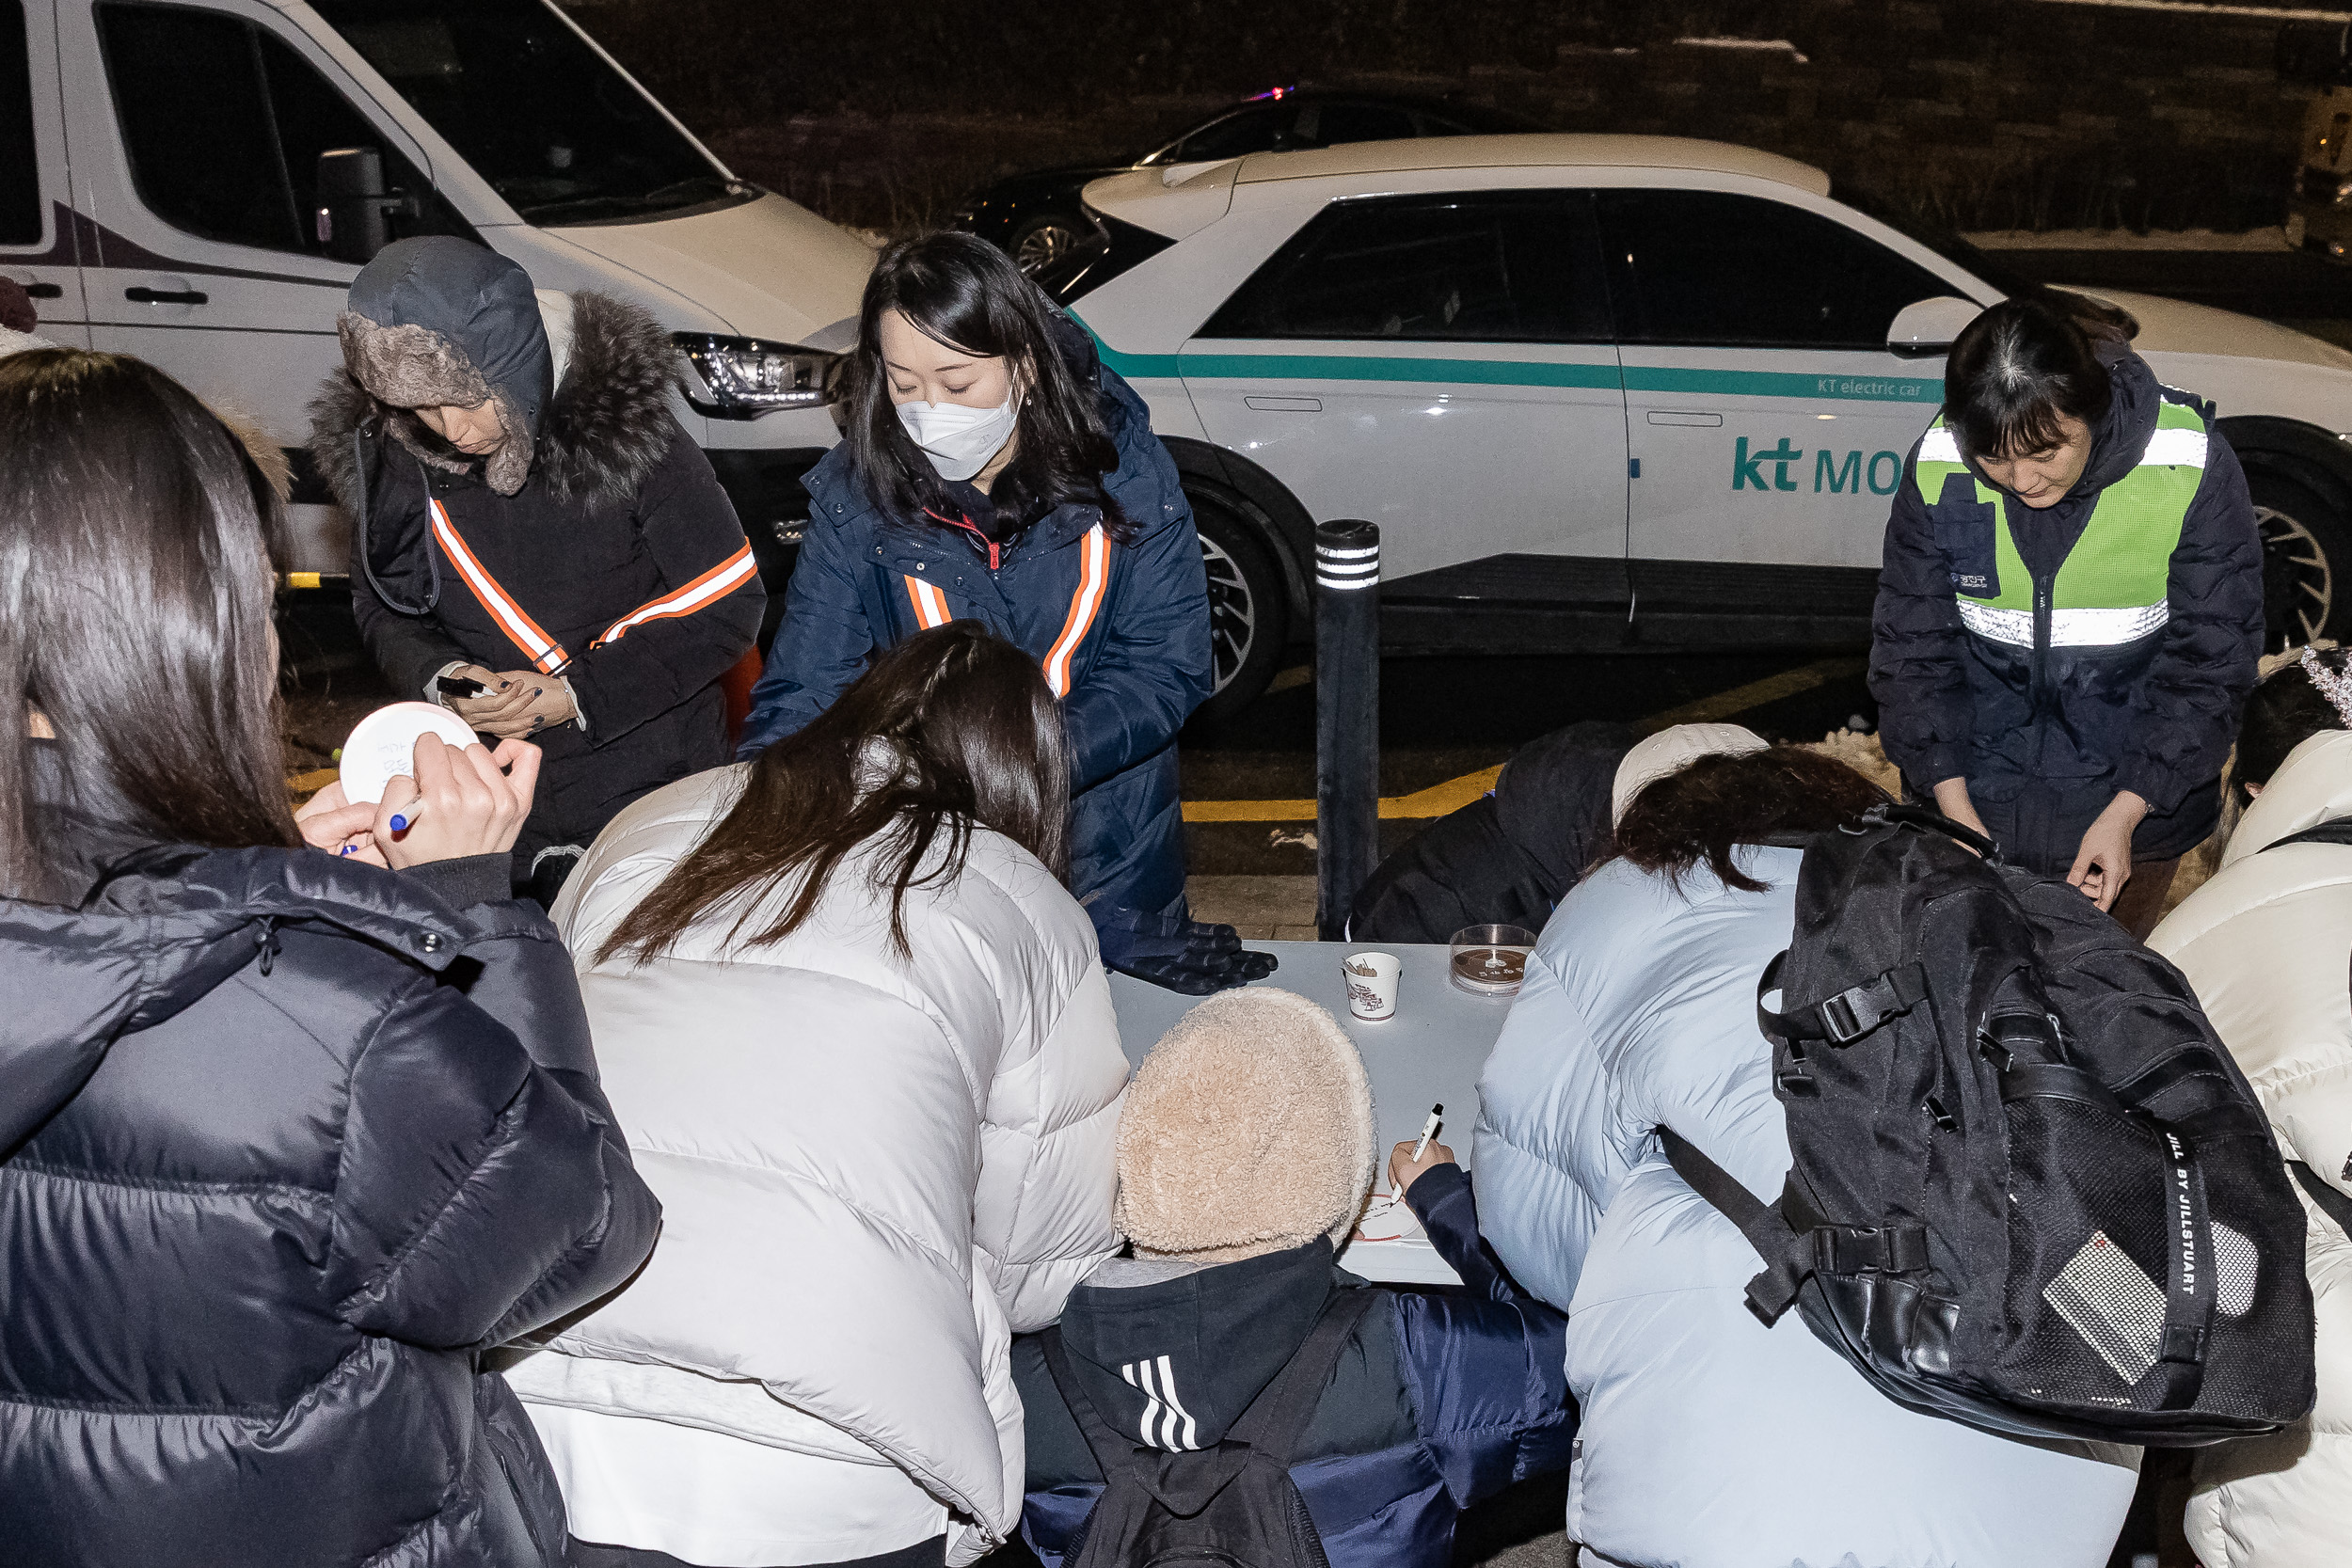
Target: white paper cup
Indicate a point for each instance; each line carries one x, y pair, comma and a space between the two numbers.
383, 746
1372, 984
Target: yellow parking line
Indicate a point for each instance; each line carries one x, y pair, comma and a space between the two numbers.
1453, 794
1436, 801
1772, 688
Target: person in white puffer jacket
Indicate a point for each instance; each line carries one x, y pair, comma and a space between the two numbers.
864, 1051
2268, 943
1708, 1440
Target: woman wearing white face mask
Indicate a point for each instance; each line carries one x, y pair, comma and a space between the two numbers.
993, 470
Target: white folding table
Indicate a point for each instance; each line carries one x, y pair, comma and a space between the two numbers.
1431, 1052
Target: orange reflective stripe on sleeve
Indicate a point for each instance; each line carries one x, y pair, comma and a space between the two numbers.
1095, 572
707, 589
546, 653
931, 604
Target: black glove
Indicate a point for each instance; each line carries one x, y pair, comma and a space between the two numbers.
1182, 955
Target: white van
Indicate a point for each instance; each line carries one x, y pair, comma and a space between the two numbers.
1603, 391
160, 195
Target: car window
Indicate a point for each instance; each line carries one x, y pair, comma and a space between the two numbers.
1236, 135
533, 108
188, 93
1493, 266
1345, 122
224, 124
1715, 269
19, 166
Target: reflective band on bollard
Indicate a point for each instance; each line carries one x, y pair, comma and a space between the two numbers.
1348, 717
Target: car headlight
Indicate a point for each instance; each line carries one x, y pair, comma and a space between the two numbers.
2343, 192
741, 378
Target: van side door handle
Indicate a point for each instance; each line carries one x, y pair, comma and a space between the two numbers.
137, 294
1685, 416
43, 291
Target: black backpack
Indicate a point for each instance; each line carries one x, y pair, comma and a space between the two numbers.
1234, 1504
2031, 1191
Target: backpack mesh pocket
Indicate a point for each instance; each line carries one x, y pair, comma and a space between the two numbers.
2084, 1293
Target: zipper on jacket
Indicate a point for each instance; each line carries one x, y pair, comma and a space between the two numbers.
2043, 587
994, 556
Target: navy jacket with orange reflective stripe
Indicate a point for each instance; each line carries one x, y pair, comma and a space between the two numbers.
2047, 735
1137, 667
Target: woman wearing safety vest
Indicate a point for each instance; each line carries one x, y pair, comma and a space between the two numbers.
2071, 609
992, 469
536, 544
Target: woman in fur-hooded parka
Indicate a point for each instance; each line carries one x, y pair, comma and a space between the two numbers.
2265, 944
597, 516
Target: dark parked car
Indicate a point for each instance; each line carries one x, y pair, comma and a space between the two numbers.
1039, 219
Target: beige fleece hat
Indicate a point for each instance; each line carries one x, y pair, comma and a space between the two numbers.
1670, 751
1247, 1130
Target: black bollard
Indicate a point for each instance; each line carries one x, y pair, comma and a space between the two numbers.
1348, 717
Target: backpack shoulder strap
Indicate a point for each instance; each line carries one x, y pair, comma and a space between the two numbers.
1277, 1418
2336, 830
1114, 1454
2325, 1198
1784, 1252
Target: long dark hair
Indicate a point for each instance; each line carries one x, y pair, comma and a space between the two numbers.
2024, 363
962, 291
2282, 711
1703, 812
968, 734
135, 595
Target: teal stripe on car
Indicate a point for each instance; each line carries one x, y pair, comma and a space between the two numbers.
1350, 367
1212, 366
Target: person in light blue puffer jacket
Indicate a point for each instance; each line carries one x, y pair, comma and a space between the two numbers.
1708, 1440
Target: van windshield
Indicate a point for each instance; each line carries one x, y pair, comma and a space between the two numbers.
538, 113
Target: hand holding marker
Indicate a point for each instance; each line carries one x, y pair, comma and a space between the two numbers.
402, 756
1428, 1128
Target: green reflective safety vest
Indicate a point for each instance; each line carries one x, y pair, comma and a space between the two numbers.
2111, 589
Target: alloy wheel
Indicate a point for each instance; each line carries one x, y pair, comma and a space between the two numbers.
1233, 613
2299, 587
1043, 245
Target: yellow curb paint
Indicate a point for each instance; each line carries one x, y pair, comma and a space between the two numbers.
1453, 794
1772, 688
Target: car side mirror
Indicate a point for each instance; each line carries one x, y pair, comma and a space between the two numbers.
1928, 325
353, 216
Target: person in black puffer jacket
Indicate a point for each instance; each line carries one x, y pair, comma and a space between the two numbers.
2071, 607
527, 514
290, 1140
1509, 856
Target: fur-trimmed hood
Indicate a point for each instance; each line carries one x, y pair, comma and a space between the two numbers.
598, 437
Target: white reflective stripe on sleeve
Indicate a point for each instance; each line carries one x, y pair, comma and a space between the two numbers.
1093, 575
2069, 628
2182, 449
709, 587
1938, 446
931, 604
2105, 629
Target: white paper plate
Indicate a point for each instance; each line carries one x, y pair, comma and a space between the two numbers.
384, 746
